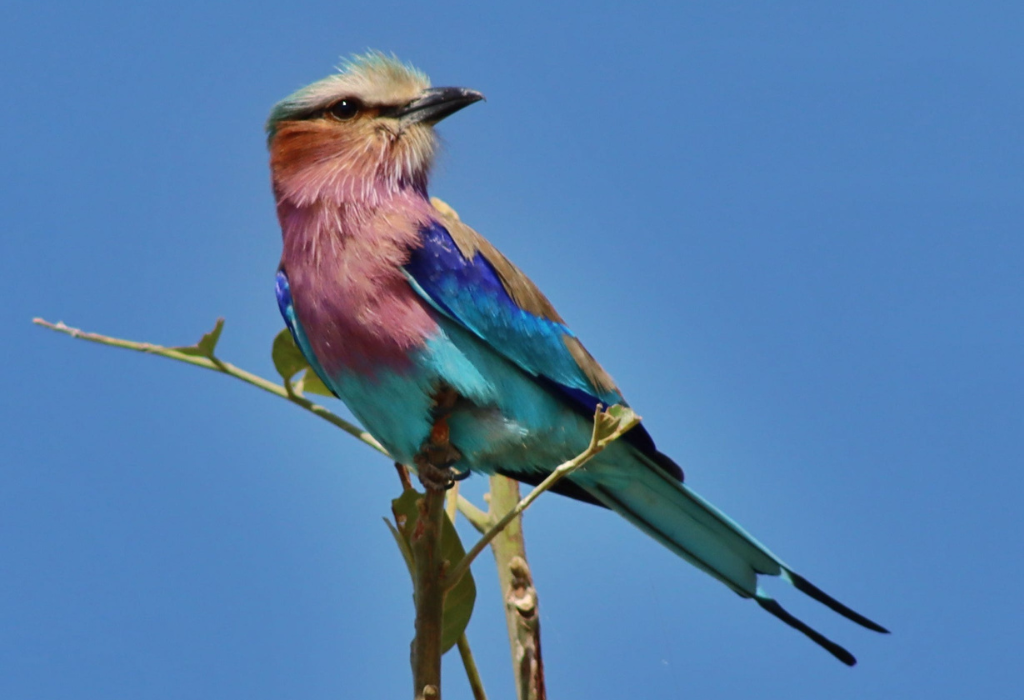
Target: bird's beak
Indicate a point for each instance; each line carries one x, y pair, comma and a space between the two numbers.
435, 104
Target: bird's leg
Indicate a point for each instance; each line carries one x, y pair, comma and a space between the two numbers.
437, 455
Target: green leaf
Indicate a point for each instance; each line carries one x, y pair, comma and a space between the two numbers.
458, 603
613, 422
310, 384
207, 344
288, 359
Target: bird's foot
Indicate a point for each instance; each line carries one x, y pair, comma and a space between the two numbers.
434, 466
459, 475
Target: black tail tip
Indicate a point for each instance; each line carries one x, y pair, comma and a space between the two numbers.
808, 588
818, 638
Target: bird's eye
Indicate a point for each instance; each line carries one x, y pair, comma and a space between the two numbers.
345, 109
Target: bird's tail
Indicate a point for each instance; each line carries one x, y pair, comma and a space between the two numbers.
697, 531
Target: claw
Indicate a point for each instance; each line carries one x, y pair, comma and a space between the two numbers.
435, 477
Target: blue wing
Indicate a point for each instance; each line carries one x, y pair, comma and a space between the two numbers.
470, 291
477, 291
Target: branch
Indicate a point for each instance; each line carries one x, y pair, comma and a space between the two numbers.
428, 584
217, 365
519, 597
476, 517
451, 504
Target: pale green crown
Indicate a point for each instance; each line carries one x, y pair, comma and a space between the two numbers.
375, 78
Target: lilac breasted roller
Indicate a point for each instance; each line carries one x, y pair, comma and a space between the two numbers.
413, 319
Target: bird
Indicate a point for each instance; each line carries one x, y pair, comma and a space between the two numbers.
424, 329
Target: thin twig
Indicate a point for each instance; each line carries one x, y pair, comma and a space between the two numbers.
476, 517
218, 365
472, 672
403, 476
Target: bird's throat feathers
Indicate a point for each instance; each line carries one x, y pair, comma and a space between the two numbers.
312, 162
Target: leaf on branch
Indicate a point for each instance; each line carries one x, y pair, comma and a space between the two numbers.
613, 422
206, 345
459, 601
310, 383
288, 359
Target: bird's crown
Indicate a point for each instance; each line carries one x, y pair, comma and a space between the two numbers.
375, 78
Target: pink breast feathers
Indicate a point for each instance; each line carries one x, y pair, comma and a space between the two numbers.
350, 295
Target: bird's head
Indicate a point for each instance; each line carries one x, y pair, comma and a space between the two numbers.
360, 134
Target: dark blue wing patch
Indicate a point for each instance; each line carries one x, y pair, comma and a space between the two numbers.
284, 303
470, 292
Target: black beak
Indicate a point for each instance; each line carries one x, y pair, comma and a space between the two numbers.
435, 104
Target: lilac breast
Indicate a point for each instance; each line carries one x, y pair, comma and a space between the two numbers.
349, 292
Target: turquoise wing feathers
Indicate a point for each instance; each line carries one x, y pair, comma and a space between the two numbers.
483, 292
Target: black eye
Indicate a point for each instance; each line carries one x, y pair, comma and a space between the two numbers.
345, 109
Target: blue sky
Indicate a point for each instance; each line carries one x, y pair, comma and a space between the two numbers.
791, 231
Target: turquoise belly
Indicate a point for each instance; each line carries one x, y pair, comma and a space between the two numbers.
506, 421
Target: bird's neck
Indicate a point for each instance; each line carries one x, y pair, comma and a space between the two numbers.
328, 223
343, 257
323, 196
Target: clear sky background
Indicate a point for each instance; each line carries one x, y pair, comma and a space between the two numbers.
791, 231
